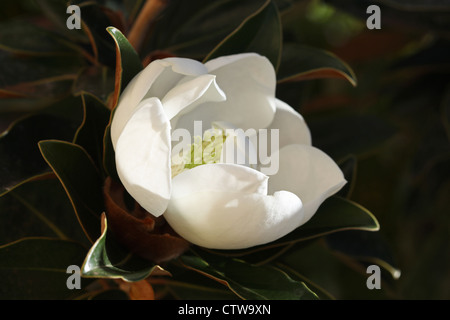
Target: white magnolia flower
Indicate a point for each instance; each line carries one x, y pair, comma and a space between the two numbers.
208, 198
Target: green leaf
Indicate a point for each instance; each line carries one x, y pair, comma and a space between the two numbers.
261, 33
35, 268
129, 63
21, 37
335, 275
301, 62
108, 259
91, 133
38, 208
249, 281
20, 158
81, 180
366, 247
177, 30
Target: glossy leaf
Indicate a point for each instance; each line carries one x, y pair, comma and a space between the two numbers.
22, 37
367, 247
91, 133
38, 208
108, 259
81, 180
301, 62
260, 33
36, 268
128, 63
177, 30
20, 158
245, 280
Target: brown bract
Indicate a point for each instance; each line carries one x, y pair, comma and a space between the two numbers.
143, 234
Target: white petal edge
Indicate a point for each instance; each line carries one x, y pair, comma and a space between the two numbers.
154, 81
249, 82
292, 126
183, 97
231, 220
143, 154
309, 173
219, 177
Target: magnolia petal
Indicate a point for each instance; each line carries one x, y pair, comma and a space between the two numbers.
219, 177
186, 96
248, 81
233, 220
143, 154
154, 81
307, 172
291, 125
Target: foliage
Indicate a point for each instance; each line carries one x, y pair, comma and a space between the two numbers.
377, 101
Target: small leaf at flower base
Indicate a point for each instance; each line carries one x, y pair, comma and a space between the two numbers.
128, 63
109, 259
249, 281
146, 236
36, 268
301, 62
81, 180
260, 33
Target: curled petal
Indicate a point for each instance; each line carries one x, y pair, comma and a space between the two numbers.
307, 172
143, 154
187, 95
233, 220
291, 125
154, 81
248, 81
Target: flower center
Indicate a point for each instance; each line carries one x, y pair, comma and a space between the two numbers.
203, 151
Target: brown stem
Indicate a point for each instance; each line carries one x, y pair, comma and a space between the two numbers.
148, 13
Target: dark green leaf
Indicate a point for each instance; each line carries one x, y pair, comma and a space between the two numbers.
91, 133
81, 180
321, 268
129, 63
35, 268
108, 259
260, 33
20, 158
96, 19
367, 247
38, 208
177, 30
249, 281
301, 62
22, 37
